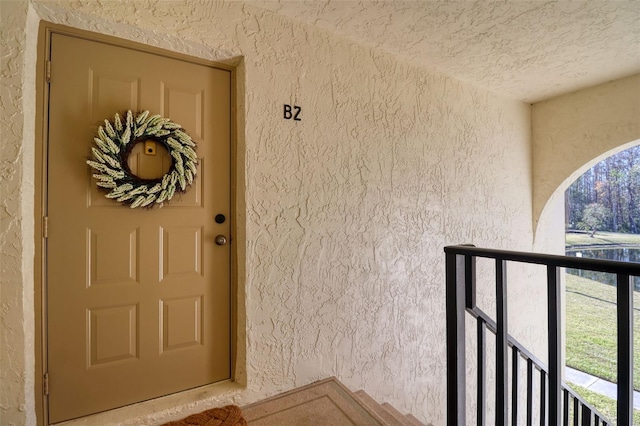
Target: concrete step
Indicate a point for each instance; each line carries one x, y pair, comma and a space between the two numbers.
405, 419
372, 405
387, 411
415, 422
326, 402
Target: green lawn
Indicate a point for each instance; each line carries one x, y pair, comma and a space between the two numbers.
574, 240
606, 406
591, 328
591, 322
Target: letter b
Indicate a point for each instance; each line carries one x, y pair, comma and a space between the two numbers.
287, 112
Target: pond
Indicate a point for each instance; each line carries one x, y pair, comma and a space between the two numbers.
622, 254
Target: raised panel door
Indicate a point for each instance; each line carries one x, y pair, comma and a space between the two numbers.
138, 300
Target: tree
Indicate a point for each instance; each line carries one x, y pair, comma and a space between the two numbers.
593, 217
613, 183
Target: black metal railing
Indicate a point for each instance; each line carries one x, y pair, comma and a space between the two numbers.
557, 403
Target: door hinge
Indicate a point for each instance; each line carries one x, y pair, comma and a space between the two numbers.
48, 72
45, 227
45, 384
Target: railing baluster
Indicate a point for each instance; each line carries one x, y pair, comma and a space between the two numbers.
455, 299
529, 392
625, 349
565, 408
586, 415
514, 385
482, 359
543, 398
554, 318
502, 348
470, 281
554, 397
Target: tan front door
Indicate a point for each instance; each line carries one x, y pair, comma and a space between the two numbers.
138, 300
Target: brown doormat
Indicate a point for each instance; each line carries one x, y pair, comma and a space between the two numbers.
225, 416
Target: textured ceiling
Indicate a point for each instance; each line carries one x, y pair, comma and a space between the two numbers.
527, 50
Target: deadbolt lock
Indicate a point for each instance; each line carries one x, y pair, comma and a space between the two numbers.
150, 147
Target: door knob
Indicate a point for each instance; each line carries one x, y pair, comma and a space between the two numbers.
221, 240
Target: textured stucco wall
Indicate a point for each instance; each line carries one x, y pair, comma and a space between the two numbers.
572, 132
347, 211
17, 404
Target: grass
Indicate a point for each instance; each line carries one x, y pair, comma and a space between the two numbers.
591, 329
582, 239
605, 405
591, 323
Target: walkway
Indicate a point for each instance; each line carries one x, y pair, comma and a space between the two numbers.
595, 384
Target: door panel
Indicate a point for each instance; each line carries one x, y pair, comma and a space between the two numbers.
138, 300
113, 256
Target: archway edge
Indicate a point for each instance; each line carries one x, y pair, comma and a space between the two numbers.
571, 133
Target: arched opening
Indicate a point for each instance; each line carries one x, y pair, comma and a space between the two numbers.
602, 219
595, 216
549, 235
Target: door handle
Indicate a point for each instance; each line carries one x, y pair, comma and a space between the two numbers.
221, 240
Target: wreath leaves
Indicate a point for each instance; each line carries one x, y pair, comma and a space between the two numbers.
114, 143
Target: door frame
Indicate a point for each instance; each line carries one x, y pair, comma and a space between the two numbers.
45, 32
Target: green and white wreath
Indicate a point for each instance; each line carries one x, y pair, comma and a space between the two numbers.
114, 143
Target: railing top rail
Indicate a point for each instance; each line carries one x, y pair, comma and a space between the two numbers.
493, 328
611, 266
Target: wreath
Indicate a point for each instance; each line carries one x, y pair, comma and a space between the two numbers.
113, 145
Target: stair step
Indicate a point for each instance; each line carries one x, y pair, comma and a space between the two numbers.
391, 409
395, 413
389, 413
372, 405
326, 402
415, 422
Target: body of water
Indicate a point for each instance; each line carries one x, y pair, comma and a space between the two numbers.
622, 254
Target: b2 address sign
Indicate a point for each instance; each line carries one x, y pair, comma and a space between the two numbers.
292, 112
